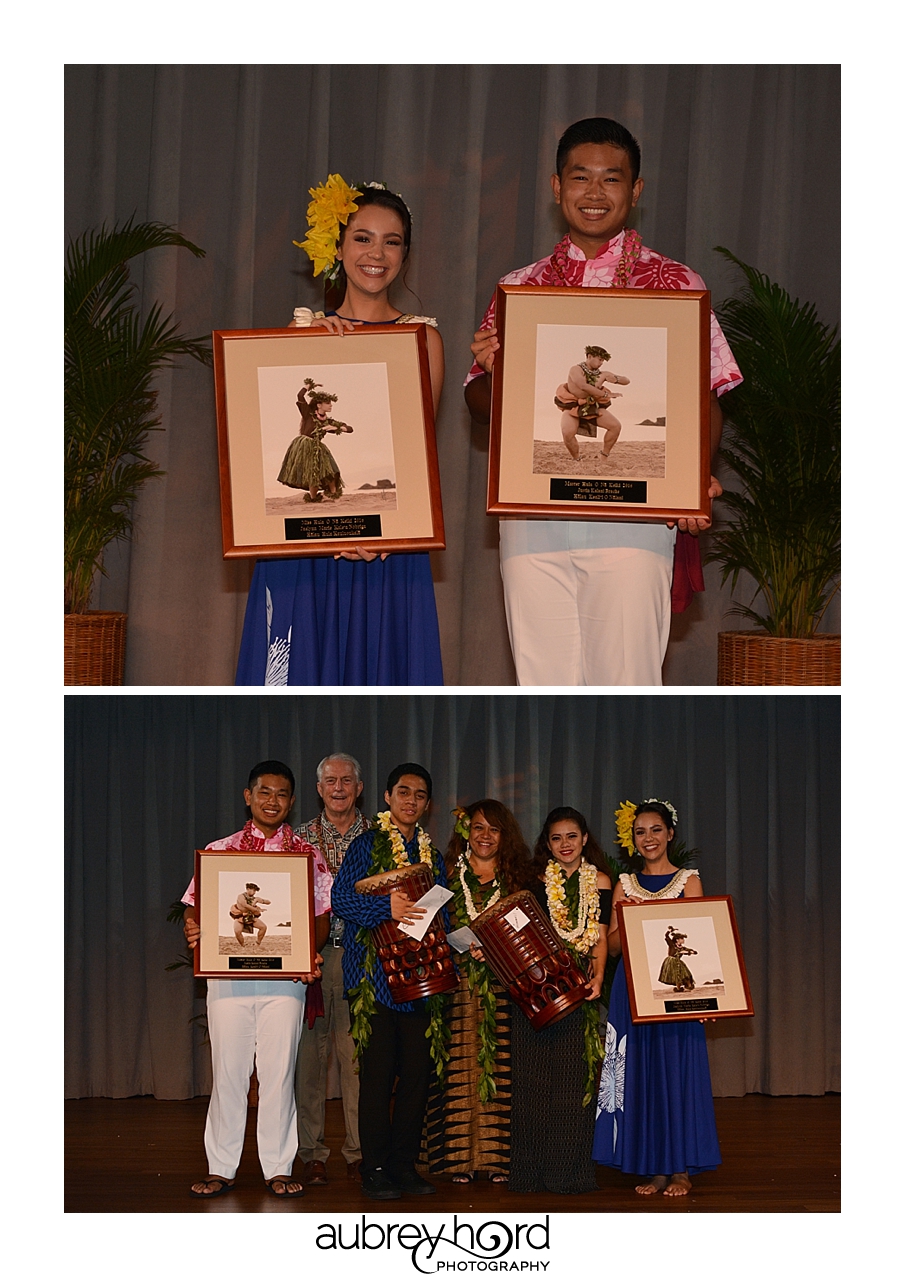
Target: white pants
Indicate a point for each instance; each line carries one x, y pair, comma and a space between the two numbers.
583, 618
253, 1022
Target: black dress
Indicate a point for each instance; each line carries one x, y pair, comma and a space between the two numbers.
551, 1131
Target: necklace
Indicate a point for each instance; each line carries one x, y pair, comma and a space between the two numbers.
397, 844
251, 843
586, 932
673, 889
566, 271
470, 907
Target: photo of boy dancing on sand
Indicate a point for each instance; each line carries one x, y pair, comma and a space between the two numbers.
585, 400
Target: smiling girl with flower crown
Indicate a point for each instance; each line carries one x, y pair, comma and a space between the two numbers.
655, 1107
357, 619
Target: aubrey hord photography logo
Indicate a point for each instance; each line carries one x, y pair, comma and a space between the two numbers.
489, 1247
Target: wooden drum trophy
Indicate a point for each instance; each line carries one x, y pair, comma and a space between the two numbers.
413, 968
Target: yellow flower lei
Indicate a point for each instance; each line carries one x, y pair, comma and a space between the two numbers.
332, 204
397, 844
586, 932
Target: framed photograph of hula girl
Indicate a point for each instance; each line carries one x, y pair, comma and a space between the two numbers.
326, 443
601, 404
256, 914
683, 959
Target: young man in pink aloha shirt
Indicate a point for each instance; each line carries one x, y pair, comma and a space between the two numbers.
258, 1022
588, 602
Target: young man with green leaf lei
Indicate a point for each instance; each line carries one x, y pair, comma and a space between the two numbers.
468, 1118
392, 1040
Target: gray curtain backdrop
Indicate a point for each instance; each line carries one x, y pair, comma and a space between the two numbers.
742, 156
755, 780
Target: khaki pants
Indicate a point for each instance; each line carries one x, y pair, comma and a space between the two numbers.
311, 1070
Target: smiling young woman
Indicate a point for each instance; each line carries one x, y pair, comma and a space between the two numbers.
552, 1118
358, 619
655, 1106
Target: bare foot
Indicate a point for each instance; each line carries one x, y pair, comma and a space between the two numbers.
213, 1186
283, 1186
678, 1186
654, 1185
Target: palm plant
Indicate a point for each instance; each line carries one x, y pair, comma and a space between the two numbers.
110, 404
783, 442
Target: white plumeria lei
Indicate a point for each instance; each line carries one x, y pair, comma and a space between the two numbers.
397, 843
470, 908
586, 932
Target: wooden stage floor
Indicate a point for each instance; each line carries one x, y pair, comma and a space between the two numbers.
779, 1154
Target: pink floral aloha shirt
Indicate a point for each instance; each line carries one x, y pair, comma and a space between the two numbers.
651, 270
250, 838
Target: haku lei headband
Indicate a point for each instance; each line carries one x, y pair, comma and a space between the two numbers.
463, 823
625, 821
332, 204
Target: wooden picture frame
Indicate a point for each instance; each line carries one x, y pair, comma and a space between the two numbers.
386, 453
285, 883
658, 470
711, 945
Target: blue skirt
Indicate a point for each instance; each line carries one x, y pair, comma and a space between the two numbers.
322, 621
655, 1105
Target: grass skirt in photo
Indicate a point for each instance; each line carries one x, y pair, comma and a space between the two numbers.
309, 463
324, 621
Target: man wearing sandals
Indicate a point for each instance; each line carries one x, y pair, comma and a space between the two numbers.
588, 602
258, 1022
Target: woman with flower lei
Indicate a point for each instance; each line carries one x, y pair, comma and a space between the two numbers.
468, 1119
551, 1151
655, 1106
358, 618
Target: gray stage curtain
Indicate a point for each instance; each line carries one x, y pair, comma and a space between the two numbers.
744, 156
755, 780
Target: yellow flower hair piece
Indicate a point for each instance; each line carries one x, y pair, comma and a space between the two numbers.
625, 822
332, 204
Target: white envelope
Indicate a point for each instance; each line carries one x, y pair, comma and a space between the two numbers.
431, 901
461, 940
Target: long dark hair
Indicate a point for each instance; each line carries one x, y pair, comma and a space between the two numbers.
591, 851
514, 857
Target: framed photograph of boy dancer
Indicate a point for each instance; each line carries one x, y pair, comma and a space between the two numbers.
256, 913
601, 404
683, 960
326, 443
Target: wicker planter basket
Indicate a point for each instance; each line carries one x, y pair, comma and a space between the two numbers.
94, 649
750, 658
